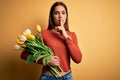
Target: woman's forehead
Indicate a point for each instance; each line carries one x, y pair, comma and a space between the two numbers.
59, 8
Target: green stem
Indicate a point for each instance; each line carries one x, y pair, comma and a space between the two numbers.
54, 72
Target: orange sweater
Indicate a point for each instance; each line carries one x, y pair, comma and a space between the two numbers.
64, 49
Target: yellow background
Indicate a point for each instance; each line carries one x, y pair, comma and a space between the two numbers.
96, 23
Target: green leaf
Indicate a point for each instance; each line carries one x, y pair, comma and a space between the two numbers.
49, 50
30, 59
46, 60
40, 56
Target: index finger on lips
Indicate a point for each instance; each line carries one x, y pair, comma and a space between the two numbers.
61, 23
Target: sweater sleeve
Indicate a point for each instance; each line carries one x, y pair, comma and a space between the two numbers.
25, 54
74, 49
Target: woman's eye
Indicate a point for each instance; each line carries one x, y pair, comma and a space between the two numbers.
63, 13
55, 13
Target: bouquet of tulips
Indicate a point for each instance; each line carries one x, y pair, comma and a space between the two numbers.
37, 49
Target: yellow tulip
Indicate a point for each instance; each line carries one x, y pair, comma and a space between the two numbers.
38, 28
19, 42
18, 36
30, 36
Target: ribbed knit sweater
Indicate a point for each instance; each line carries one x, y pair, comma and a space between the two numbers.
64, 49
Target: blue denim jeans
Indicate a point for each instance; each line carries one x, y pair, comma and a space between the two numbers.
45, 76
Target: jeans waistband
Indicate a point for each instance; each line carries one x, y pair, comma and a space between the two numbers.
61, 73
45, 76
67, 73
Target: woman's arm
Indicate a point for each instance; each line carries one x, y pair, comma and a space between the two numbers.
25, 54
73, 48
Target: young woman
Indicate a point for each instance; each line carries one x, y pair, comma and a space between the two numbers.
63, 43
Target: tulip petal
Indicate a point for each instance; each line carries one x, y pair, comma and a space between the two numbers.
23, 38
19, 42
38, 28
17, 47
27, 31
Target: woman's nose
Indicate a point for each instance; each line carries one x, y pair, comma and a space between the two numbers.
60, 15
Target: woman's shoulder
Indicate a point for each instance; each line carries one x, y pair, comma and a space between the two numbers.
45, 31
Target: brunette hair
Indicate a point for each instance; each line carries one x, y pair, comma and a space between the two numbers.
51, 21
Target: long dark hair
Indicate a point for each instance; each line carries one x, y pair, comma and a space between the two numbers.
51, 21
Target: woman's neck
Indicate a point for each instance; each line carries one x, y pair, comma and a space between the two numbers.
55, 31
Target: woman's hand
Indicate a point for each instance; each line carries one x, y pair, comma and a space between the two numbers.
62, 30
54, 61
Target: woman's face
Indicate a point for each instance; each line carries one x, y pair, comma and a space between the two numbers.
59, 14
